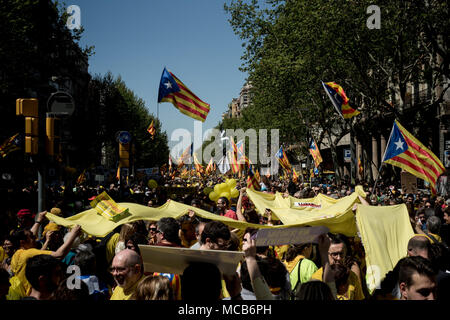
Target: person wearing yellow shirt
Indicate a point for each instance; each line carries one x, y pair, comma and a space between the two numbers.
333, 251
128, 270
20, 287
299, 266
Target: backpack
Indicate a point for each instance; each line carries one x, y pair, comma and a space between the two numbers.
295, 292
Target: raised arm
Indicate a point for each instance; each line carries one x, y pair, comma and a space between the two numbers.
65, 247
239, 205
40, 218
260, 287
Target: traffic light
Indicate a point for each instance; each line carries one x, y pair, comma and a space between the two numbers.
29, 109
53, 131
124, 155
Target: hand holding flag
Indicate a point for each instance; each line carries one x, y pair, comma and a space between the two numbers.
151, 130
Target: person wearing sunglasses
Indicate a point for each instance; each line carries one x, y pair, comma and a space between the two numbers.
152, 233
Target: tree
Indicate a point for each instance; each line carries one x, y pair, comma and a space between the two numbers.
290, 46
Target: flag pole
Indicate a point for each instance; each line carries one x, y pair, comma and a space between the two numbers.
382, 159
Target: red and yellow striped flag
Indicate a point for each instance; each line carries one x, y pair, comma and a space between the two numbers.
257, 176
118, 172
252, 183
151, 130
283, 160
294, 176
198, 165
360, 168
405, 151
210, 166
172, 90
82, 178
233, 162
339, 100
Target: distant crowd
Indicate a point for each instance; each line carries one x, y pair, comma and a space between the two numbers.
36, 253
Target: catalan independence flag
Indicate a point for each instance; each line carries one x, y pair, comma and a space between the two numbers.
339, 100
283, 160
172, 90
252, 183
405, 151
151, 130
314, 150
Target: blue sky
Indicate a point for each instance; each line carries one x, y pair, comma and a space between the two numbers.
192, 38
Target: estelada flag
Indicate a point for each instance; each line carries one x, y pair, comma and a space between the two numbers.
405, 151
283, 160
252, 183
172, 90
314, 150
339, 100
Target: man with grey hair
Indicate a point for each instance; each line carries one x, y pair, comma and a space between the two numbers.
128, 270
434, 228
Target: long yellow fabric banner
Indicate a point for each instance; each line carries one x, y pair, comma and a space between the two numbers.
385, 232
321, 210
337, 215
94, 224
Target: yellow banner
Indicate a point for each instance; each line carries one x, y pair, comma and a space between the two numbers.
385, 232
321, 210
337, 221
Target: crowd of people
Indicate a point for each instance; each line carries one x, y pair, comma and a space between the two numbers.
37, 255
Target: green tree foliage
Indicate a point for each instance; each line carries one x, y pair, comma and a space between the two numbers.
291, 46
35, 46
113, 108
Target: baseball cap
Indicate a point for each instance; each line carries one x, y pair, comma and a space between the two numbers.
25, 213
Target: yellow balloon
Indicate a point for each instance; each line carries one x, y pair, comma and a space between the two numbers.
231, 183
152, 183
225, 194
234, 193
217, 188
224, 187
213, 196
